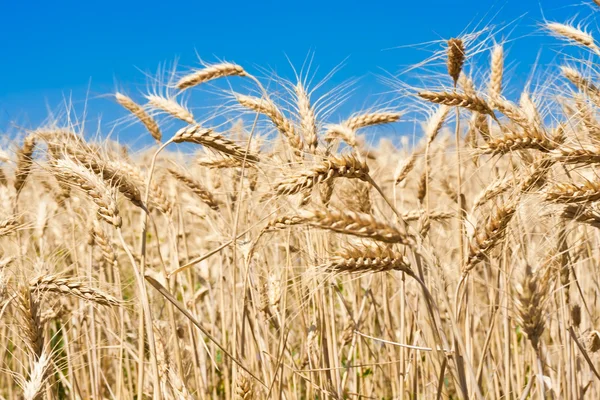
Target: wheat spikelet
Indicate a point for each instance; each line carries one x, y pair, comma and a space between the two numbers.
435, 123
497, 71
283, 222
268, 108
532, 296
308, 121
209, 73
364, 260
513, 141
24, 162
9, 225
347, 166
172, 107
449, 189
473, 103
573, 193
583, 214
243, 388
583, 84
100, 238
583, 154
158, 199
340, 131
54, 284
404, 168
358, 197
219, 162
29, 313
140, 114
572, 34
34, 385
495, 189
488, 234
456, 58
514, 113
587, 117
209, 138
467, 85
196, 188
355, 224
434, 215
370, 119
74, 174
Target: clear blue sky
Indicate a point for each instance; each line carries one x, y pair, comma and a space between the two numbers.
50, 49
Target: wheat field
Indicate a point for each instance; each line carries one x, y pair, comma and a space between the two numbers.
263, 249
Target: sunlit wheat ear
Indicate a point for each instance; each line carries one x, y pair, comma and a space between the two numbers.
435, 123
587, 116
24, 162
29, 317
114, 174
434, 215
100, 238
283, 222
584, 154
244, 389
516, 141
583, 84
347, 166
203, 193
573, 193
308, 121
355, 224
140, 114
102, 195
371, 119
473, 103
171, 107
367, 260
404, 168
34, 385
497, 71
209, 138
532, 296
129, 172
71, 287
270, 110
488, 234
573, 34
209, 73
218, 162
456, 58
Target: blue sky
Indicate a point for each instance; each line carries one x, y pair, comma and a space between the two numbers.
87, 49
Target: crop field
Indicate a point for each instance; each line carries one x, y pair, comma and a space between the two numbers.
267, 248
